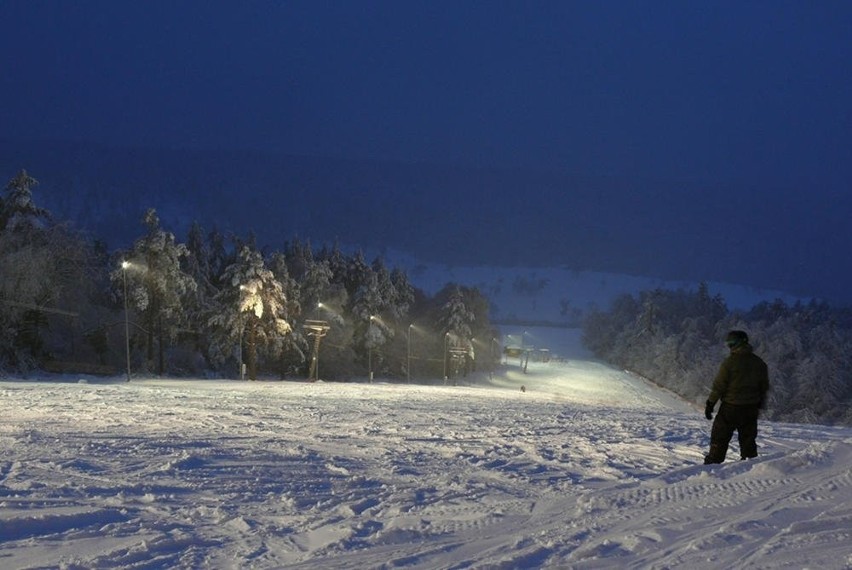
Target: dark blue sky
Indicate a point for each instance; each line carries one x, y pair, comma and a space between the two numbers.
731, 99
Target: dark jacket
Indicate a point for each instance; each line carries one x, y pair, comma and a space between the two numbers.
743, 379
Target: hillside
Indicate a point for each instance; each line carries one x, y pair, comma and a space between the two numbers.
559, 296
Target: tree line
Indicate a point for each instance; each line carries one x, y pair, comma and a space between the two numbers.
674, 338
220, 305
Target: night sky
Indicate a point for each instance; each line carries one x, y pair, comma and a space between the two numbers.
721, 131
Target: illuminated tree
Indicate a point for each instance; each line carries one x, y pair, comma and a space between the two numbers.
253, 309
157, 286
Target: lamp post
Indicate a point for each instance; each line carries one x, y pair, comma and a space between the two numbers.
241, 348
495, 354
124, 266
242, 326
370, 348
446, 350
408, 364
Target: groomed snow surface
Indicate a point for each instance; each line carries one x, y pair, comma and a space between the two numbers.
589, 467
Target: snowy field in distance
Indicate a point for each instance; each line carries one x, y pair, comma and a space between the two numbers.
589, 468
557, 295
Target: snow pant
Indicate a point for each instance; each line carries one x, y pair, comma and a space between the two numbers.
732, 417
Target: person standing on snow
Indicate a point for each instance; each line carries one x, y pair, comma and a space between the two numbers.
741, 384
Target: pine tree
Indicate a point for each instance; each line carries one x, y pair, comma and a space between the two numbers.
356, 274
39, 263
390, 303
456, 320
299, 257
337, 263
157, 285
316, 285
197, 261
219, 256
197, 264
403, 293
19, 214
259, 315
370, 331
295, 345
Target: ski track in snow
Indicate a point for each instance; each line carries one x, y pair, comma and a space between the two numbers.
589, 468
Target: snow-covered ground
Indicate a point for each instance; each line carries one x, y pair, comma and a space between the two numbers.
589, 467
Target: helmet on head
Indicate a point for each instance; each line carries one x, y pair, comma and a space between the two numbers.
736, 338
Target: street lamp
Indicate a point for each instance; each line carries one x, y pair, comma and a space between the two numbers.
370, 348
124, 266
242, 326
408, 364
446, 351
242, 376
495, 354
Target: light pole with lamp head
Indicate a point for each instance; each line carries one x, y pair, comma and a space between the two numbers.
446, 350
242, 326
408, 363
370, 348
495, 354
242, 376
124, 265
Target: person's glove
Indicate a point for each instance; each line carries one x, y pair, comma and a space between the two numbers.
708, 410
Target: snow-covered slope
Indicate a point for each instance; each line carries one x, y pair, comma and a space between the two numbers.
588, 467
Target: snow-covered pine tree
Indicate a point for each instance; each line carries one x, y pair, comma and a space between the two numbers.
299, 257
40, 262
252, 310
403, 293
370, 331
394, 296
157, 285
337, 263
456, 318
478, 304
316, 287
356, 274
457, 321
219, 256
389, 300
291, 288
19, 213
295, 347
197, 264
